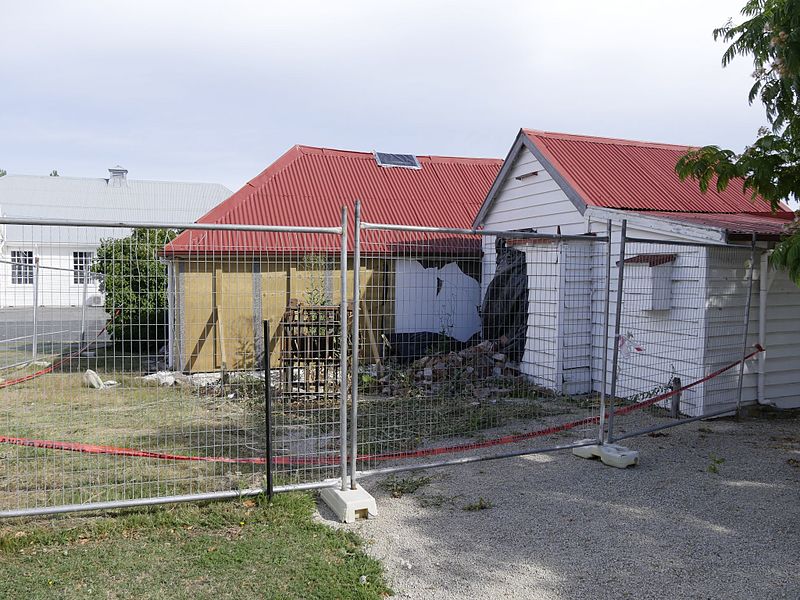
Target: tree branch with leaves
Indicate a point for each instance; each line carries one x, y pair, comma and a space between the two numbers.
770, 166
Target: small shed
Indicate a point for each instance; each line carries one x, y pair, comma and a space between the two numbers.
683, 301
223, 284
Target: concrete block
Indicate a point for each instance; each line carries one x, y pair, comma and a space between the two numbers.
349, 505
612, 455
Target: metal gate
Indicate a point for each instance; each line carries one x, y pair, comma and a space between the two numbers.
155, 352
682, 333
475, 344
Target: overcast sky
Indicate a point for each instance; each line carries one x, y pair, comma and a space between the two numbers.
215, 91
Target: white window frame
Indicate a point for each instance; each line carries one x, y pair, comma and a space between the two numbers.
22, 262
85, 258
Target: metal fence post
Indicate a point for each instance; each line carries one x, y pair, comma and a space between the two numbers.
606, 310
343, 354
354, 366
617, 329
746, 322
83, 304
268, 409
34, 346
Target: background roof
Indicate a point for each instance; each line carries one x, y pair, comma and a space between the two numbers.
307, 186
95, 199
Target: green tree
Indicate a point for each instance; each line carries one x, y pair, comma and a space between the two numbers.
770, 166
53, 173
135, 284
3, 172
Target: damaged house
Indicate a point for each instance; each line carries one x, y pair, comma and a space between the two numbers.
223, 284
682, 302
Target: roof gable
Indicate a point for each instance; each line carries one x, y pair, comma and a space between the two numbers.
633, 175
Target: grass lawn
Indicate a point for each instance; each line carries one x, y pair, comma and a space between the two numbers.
246, 549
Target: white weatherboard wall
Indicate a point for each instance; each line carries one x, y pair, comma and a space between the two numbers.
436, 299
726, 298
56, 278
725, 301
782, 376
660, 344
531, 202
558, 348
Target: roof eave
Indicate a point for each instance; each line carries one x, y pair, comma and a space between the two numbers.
702, 233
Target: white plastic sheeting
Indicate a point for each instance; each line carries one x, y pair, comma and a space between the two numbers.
436, 299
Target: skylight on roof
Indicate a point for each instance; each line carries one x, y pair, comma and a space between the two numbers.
403, 161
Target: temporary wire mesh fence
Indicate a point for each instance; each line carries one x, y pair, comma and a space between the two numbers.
173, 325
221, 351
683, 332
476, 344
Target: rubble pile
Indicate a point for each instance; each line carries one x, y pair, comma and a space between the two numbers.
476, 362
482, 370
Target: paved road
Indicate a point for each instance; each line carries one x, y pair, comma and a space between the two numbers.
56, 327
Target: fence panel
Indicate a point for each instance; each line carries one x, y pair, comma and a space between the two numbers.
475, 346
683, 331
171, 325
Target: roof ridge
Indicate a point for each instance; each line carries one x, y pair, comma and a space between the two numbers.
306, 149
604, 140
98, 179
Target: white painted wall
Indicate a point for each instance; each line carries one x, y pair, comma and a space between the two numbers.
667, 343
535, 201
782, 373
436, 299
726, 299
56, 283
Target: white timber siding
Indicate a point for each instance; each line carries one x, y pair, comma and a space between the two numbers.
540, 360
666, 343
699, 333
535, 202
782, 373
680, 324
726, 299
56, 286
558, 349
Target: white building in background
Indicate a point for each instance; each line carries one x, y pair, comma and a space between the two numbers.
59, 255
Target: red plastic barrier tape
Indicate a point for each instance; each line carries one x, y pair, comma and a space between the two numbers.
334, 459
627, 409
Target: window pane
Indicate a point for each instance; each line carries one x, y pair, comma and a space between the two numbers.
81, 263
22, 267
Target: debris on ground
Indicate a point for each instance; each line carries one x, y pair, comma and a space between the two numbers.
482, 370
92, 380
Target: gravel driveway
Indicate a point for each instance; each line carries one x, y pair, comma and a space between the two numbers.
712, 511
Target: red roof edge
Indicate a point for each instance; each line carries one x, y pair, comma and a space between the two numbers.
600, 140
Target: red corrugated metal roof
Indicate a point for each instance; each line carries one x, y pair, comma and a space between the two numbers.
633, 175
739, 223
307, 186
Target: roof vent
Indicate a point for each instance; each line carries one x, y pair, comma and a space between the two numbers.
402, 161
117, 176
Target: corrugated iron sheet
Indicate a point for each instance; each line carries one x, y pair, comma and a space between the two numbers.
634, 175
166, 202
308, 185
